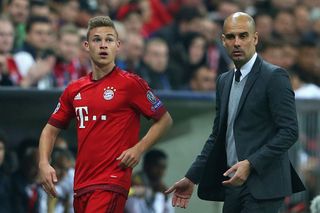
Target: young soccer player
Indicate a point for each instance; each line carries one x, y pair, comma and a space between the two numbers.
107, 105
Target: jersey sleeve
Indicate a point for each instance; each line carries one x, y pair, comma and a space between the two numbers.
63, 112
144, 100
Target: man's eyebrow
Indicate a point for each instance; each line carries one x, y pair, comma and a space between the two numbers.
244, 33
234, 34
109, 34
229, 35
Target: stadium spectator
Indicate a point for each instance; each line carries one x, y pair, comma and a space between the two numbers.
155, 66
68, 67
84, 57
6, 193
132, 19
203, 80
36, 59
147, 187
39, 8
25, 188
216, 56
9, 72
264, 26
285, 29
68, 11
302, 19
144, 16
122, 34
188, 19
306, 64
18, 11
191, 55
133, 48
313, 34
273, 52
283, 5
226, 8
290, 54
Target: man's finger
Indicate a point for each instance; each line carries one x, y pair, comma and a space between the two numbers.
134, 165
130, 162
124, 161
174, 200
229, 171
187, 202
178, 202
171, 189
52, 190
45, 189
183, 203
121, 156
228, 182
54, 177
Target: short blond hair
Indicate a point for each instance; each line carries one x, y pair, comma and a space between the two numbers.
100, 21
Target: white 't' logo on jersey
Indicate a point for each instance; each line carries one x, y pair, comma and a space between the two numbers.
83, 116
82, 113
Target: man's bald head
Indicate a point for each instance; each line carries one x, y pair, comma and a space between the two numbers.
240, 17
239, 37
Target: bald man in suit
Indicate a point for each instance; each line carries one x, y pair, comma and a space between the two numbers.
245, 160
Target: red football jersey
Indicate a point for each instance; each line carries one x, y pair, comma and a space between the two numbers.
108, 122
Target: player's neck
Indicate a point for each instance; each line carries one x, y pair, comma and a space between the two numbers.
99, 72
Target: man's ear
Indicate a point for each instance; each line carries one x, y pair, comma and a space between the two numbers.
223, 37
86, 45
256, 38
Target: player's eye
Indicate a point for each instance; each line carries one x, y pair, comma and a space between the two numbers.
109, 40
96, 39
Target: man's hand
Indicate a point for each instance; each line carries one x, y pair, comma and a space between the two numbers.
182, 192
241, 172
48, 178
130, 157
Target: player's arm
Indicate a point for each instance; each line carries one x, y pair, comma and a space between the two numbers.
131, 157
47, 173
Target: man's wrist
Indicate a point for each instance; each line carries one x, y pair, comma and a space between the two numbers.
250, 165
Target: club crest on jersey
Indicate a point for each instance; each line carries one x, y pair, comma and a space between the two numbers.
109, 93
57, 108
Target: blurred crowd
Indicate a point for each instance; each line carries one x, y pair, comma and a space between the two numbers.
172, 44
21, 191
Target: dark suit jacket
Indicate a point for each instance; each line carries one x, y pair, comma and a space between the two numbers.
265, 128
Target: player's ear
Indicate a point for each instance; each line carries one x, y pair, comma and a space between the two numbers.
86, 45
118, 43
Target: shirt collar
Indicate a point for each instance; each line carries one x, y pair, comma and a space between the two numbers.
245, 69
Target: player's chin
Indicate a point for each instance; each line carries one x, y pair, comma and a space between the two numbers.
102, 61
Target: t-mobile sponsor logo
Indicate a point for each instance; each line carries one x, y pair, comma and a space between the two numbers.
83, 116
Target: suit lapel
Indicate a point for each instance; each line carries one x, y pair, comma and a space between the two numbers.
225, 95
252, 76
